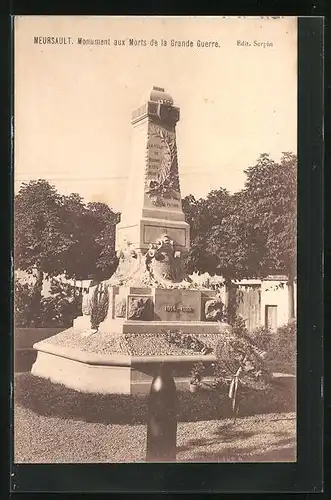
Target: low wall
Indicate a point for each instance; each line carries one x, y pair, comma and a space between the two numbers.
24, 338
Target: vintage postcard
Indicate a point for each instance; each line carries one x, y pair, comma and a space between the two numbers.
155, 228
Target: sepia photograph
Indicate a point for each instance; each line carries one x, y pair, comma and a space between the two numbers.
155, 239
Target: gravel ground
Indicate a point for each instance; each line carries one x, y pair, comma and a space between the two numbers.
139, 344
39, 439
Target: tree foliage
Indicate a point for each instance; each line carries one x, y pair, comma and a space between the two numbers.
40, 239
251, 233
57, 234
272, 197
104, 221
204, 217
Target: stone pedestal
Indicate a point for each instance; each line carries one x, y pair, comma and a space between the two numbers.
155, 310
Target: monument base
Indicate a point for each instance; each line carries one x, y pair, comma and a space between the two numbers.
123, 363
120, 326
109, 374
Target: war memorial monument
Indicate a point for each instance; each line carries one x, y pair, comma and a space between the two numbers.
150, 311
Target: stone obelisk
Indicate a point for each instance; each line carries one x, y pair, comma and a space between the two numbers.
153, 200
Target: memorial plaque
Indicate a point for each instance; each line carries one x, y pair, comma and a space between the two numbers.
153, 232
177, 305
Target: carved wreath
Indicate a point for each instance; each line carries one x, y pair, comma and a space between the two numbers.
214, 309
162, 260
166, 185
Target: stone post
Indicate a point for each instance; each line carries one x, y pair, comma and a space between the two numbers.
162, 418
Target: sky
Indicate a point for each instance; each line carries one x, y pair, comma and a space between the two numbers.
73, 103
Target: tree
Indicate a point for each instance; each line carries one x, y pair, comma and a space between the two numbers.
230, 242
92, 228
271, 190
102, 221
78, 256
251, 233
40, 241
235, 247
57, 234
204, 215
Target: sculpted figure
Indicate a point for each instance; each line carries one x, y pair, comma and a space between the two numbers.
129, 263
214, 309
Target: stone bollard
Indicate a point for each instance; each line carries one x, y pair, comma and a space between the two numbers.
162, 418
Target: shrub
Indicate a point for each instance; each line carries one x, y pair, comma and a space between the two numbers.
59, 309
24, 312
283, 347
241, 364
237, 357
262, 337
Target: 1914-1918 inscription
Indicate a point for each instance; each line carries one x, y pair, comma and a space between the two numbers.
179, 308
177, 305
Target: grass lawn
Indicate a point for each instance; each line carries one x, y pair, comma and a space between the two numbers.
54, 424
45, 439
55, 400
